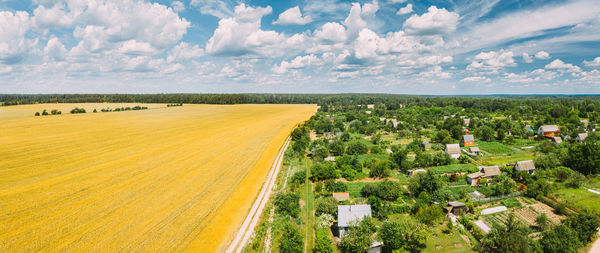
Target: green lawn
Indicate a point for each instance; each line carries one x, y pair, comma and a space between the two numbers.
440, 242
494, 147
454, 168
580, 198
355, 187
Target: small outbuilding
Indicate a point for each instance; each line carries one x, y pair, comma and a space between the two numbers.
453, 150
527, 166
329, 159
557, 140
475, 150
581, 137
341, 196
457, 208
425, 146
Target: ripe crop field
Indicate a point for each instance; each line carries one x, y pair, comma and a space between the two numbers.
162, 179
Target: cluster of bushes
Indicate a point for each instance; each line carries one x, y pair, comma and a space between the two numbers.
172, 105
77, 110
45, 113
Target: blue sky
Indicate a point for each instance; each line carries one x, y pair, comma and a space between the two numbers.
327, 46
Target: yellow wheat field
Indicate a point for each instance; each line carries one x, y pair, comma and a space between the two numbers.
158, 180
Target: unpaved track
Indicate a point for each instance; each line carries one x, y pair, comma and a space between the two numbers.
245, 232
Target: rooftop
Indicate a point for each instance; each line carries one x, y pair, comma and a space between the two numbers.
347, 214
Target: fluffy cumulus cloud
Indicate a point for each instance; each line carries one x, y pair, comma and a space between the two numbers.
331, 32
292, 16
215, 8
54, 51
492, 60
14, 46
563, 67
178, 6
297, 63
593, 63
434, 21
242, 35
542, 55
405, 10
185, 51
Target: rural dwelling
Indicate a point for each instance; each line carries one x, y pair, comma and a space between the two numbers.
371, 106
453, 150
341, 196
416, 171
527, 166
475, 150
329, 159
456, 208
487, 172
581, 137
528, 128
468, 140
375, 247
350, 215
585, 123
467, 122
548, 131
425, 146
368, 112
557, 140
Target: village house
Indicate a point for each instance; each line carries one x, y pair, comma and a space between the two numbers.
457, 208
468, 140
527, 166
585, 123
528, 128
548, 131
341, 196
329, 159
581, 137
351, 215
557, 140
475, 151
486, 172
425, 146
467, 122
453, 150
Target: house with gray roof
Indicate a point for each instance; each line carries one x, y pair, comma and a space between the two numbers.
351, 215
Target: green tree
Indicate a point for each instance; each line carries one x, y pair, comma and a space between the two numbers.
403, 233
380, 169
542, 221
37, 113
430, 214
360, 237
357, 148
389, 190
485, 133
326, 205
323, 243
424, 182
322, 171
287, 204
512, 237
291, 240
584, 224
560, 239
584, 157
320, 153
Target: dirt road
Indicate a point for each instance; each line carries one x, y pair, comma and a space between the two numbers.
247, 229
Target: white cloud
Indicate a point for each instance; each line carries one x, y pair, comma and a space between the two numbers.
405, 10
563, 67
476, 79
527, 58
594, 63
292, 16
297, 63
184, 51
398, 1
54, 51
542, 55
527, 23
331, 32
215, 8
133, 47
56, 16
492, 60
13, 44
434, 21
178, 6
